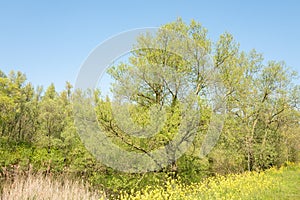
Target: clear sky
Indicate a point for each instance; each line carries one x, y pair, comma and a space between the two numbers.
49, 40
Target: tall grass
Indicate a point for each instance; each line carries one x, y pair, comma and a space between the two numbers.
282, 183
41, 187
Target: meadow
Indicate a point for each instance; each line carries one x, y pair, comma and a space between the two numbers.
282, 183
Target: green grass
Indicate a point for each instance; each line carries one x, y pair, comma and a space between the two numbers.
287, 183
283, 183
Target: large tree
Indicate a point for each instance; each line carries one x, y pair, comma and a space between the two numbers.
162, 72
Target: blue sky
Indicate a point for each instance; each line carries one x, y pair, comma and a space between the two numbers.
49, 40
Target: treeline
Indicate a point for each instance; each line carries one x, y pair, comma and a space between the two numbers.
261, 130
37, 128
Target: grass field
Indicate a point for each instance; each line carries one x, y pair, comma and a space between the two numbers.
283, 183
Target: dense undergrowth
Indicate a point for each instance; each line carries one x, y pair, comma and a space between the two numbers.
274, 183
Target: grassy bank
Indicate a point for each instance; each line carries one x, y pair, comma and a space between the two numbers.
283, 183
